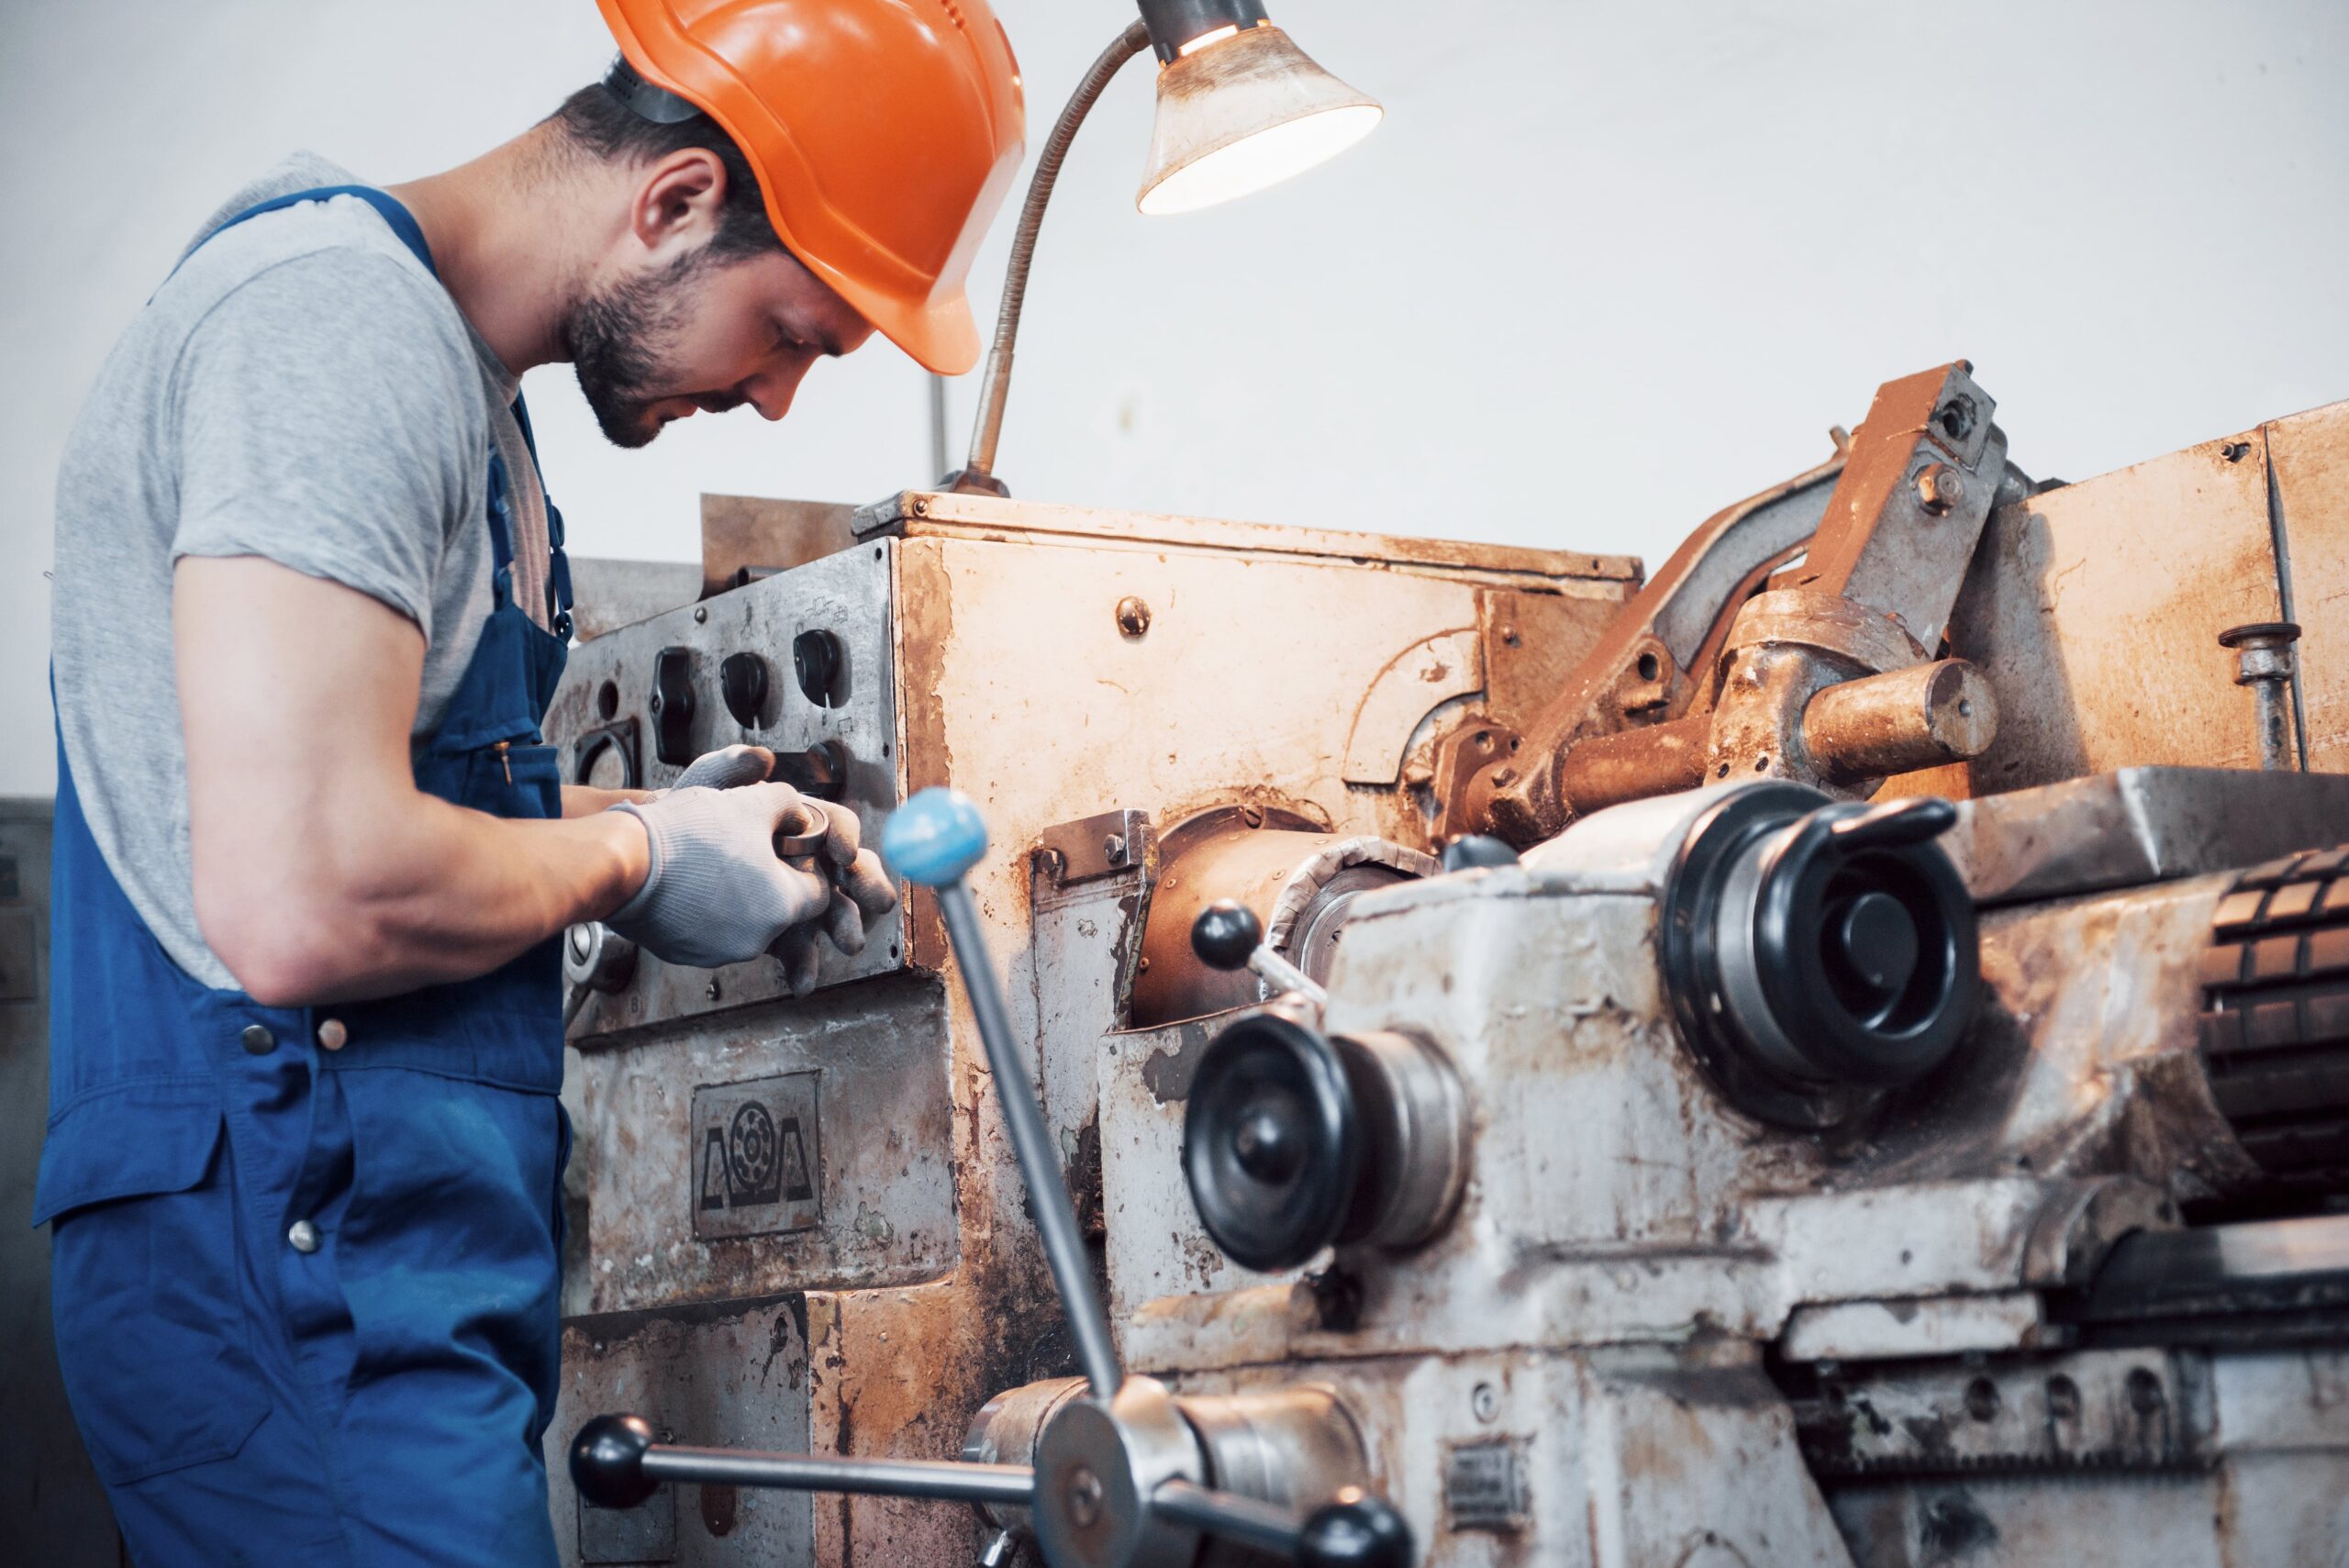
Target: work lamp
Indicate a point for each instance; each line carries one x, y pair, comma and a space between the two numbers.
1240, 107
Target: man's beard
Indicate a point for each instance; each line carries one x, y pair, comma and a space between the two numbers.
613, 341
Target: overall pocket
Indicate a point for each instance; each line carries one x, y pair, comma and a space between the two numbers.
150, 1316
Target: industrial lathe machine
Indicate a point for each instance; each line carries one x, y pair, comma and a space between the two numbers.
1834, 1053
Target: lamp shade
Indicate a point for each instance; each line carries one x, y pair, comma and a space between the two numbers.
1242, 111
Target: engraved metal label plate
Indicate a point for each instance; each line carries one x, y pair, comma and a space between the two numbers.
1483, 1486
757, 1168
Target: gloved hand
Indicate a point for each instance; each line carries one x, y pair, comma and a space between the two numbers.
714, 892
861, 893
729, 767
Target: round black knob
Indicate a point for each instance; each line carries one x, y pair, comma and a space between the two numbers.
1819, 952
1475, 850
742, 682
607, 1461
1271, 1143
1357, 1531
1226, 933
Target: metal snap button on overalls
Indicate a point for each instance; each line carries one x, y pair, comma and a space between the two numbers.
258, 1040
302, 1236
332, 1035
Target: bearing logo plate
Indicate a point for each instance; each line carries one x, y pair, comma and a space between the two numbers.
757, 1169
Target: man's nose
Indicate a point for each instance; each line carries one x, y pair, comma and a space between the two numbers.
771, 392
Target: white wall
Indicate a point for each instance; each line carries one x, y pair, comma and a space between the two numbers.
1603, 269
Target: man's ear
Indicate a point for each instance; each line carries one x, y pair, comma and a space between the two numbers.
677, 201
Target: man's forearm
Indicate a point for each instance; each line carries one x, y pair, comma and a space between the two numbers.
426, 892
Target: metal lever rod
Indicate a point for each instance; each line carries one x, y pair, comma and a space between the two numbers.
933, 840
616, 1464
948, 1480
1244, 1521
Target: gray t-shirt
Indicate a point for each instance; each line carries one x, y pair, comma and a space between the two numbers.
301, 389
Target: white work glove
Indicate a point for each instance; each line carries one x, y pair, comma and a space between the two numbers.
860, 891
729, 767
714, 891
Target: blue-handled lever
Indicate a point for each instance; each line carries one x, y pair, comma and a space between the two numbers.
932, 841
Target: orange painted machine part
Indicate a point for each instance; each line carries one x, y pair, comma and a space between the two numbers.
885, 135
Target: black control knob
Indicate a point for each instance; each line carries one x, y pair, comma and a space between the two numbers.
1226, 934
607, 1461
743, 682
1819, 954
1356, 1530
1271, 1145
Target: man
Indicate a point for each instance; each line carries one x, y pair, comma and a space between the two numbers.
304, 1154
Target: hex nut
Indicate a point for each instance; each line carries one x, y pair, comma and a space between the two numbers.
1940, 488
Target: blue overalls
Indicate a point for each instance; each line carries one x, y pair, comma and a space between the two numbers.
305, 1260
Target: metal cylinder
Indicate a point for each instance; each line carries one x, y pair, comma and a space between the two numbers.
1632, 764
1921, 716
1414, 1118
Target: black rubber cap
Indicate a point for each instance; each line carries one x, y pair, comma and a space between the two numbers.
1271, 1144
607, 1461
1226, 933
1355, 1531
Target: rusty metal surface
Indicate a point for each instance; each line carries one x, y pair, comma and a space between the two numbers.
1656, 639
916, 513
611, 679
747, 534
2095, 610
1657, 759
2307, 456
1531, 642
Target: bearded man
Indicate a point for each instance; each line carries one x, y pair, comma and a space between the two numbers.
312, 858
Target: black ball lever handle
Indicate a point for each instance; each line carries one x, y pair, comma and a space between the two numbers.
1227, 934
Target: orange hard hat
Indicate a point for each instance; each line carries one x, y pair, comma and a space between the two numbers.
886, 134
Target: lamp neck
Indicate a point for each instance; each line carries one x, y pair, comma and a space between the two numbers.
1175, 23
977, 474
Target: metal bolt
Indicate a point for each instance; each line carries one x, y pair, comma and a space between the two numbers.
1134, 616
997, 1554
1940, 488
1113, 848
1484, 1402
711, 990
1982, 1399
2264, 662
302, 1236
1052, 863
701, 615
921, 505
2144, 1391
1084, 1499
2062, 1398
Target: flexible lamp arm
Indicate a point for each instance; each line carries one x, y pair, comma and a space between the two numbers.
977, 473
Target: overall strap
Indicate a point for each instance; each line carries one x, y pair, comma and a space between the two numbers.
401, 221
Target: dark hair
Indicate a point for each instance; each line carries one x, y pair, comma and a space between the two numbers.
600, 125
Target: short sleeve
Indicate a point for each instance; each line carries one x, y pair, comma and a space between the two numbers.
330, 414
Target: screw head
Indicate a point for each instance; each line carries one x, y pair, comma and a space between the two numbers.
1484, 1402
1940, 488
1134, 616
701, 615
1084, 1499
1113, 848
711, 991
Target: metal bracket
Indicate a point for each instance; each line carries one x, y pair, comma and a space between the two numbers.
1092, 847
